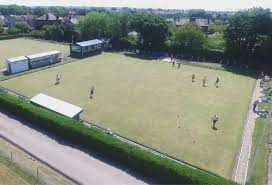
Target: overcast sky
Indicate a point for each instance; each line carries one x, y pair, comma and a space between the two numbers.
171, 4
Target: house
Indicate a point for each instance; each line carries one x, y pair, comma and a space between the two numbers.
86, 48
47, 19
72, 19
2, 18
182, 21
203, 24
10, 21
29, 19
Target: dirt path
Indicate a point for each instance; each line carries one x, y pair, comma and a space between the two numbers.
72, 162
241, 166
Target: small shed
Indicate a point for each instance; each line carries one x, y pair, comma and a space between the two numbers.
17, 64
44, 59
86, 48
56, 105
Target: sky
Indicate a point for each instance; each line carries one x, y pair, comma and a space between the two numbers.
227, 5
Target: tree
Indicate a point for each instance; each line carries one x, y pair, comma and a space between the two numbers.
217, 27
246, 31
94, 25
39, 11
187, 38
23, 27
113, 27
53, 32
152, 30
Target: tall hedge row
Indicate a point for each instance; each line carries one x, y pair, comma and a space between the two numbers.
131, 157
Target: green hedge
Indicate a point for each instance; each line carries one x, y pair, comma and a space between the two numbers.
5, 37
129, 156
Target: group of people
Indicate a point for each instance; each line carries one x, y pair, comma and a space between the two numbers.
59, 78
204, 80
174, 61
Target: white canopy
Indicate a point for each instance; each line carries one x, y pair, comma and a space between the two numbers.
57, 105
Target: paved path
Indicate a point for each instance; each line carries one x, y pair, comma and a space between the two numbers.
72, 162
241, 166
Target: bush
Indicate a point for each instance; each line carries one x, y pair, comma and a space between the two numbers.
1, 29
37, 34
13, 31
129, 156
5, 37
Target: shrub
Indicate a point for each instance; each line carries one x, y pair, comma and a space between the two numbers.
13, 31
129, 156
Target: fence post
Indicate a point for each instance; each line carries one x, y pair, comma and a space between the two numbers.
11, 158
37, 179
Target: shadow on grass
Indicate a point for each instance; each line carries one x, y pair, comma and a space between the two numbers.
91, 153
235, 69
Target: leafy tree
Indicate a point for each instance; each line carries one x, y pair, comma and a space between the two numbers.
40, 10
187, 38
53, 32
216, 41
217, 27
152, 30
246, 32
23, 27
94, 25
113, 27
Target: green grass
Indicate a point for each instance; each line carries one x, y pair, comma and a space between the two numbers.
9, 177
21, 47
259, 172
154, 104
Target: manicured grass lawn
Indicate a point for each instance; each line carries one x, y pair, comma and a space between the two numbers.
21, 47
154, 104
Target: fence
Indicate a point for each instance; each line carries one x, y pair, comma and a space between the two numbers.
122, 138
28, 167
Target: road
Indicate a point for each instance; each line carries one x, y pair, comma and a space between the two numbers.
74, 163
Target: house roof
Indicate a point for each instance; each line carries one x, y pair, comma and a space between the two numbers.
47, 17
182, 21
89, 43
57, 105
38, 55
202, 22
16, 59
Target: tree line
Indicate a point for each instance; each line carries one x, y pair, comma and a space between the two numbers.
245, 38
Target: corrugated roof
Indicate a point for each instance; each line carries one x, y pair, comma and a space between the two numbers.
89, 42
56, 105
39, 55
16, 59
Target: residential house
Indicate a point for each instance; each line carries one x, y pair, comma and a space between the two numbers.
47, 19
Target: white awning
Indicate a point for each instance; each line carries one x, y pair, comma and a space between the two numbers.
57, 105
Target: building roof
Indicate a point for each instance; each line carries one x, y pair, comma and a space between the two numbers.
16, 59
39, 55
89, 43
182, 21
47, 17
56, 105
202, 22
